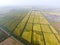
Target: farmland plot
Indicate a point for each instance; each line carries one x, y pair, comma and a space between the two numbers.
33, 28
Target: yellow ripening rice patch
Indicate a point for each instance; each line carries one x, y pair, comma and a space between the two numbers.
53, 29
51, 39
41, 15
45, 28
29, 26
43, 21
30, 20
27, 32
36, 20
32, 15
41, 18
27, 35
25, 19
36, 13
35, 16
58, 36
37, 39
19, 29
36, 27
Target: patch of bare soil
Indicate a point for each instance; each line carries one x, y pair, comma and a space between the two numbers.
10, 41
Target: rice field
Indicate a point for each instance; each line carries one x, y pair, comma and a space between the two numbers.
32, 28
